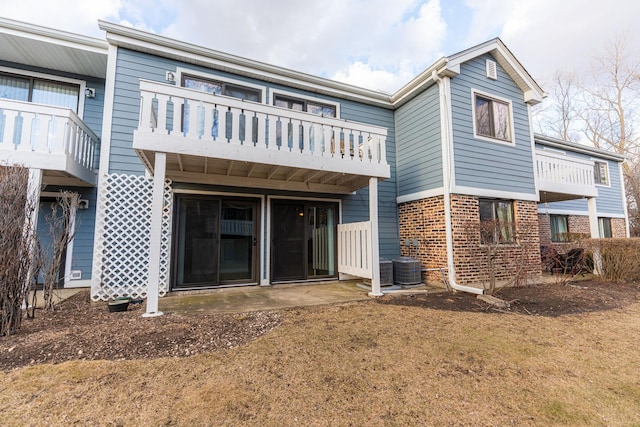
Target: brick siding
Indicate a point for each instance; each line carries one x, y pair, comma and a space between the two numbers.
424, 219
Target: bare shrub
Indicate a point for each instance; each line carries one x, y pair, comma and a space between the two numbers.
502, 253
618, 259
60, 222
17, 237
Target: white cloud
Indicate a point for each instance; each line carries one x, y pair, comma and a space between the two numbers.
550, 35
377, 44
69, 15
331, 38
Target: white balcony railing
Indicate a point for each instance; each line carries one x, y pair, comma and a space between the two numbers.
185, 121
559, 173
45, 137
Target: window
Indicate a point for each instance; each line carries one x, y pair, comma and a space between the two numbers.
324, 110
559, 228
221, 88
604, 227
601, 173
496, 221
492, 118
40, 91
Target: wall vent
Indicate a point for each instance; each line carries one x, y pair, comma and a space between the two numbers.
492, 69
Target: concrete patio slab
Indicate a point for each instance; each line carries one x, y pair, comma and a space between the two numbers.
256, 298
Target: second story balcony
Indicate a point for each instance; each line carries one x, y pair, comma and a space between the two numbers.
216, 139
53, 139
563, 177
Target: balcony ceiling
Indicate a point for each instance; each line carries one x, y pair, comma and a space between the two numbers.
216, 171
51, 49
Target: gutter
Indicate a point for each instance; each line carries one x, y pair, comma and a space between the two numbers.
446, 156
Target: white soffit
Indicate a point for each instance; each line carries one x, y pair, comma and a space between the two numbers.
41, 47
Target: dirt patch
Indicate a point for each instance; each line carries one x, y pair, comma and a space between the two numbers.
549, 300
81, 330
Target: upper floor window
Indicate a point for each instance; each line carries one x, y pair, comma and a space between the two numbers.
320, 109
221, 88
39, 91
559, 228
496, 221
601, 173
492, 118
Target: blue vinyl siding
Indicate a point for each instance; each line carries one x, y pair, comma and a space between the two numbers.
419, 146
484, 164
355, 207
82, 257
133, 66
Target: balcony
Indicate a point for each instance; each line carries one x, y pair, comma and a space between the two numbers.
562, 177
49, 138
216, 139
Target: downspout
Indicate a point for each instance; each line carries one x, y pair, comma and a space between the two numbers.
446, 183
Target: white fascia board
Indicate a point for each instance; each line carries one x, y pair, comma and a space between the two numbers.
417, 84
420, 195
578, 148
496, 194
533, 93
163, 46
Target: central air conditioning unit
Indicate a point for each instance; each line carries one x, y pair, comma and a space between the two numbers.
407, 271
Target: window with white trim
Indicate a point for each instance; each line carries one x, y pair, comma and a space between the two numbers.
604, 227
299, 104
559, 228
601, 173
492, 118
221, 88
496, 221
39, 91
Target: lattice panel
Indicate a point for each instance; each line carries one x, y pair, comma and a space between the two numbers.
121, 261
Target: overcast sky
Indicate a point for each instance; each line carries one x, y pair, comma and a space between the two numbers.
377, 44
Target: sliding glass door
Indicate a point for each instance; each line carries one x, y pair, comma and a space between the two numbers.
303, 237
216, 242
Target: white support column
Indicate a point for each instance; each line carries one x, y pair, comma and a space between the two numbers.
157, 205
593, 218
595, 233
375, 247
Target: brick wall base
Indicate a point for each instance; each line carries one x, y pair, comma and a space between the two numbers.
424, 220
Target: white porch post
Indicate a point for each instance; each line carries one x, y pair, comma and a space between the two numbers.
375, 247
595, 233
593, 218
157, 205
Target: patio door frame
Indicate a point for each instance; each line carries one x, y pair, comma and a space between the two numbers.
269, 272
257, 244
